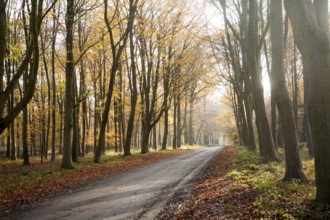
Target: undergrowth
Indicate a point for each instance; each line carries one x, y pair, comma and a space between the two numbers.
276, 199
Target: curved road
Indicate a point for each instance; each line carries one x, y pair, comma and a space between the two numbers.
138, 194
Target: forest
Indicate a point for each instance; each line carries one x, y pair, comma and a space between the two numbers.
130, 73
85, 77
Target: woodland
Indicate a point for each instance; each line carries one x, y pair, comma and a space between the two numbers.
81, 78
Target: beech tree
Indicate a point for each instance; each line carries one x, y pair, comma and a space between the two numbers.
281, 94
69, 96
118, 45
309, 22
32, 52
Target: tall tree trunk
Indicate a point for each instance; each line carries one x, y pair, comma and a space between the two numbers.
32, 52
266, 144
274, 119
134, 96
69, 76
246, 78
26, 158
165, 134
186, 130
84, 108
313, 42
61, 107
53, 47
295, 86
190, 117
179, 129
3, 41
117, 49
82, 91
75, 133
293, 166
154, 138
12, 132
115, 122
307, 125
175, 132
166, 108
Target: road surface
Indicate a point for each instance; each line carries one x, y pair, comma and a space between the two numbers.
138, 194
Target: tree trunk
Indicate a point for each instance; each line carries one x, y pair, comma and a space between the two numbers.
134, 95
186, 130
3, 41
61, 107
117, 49
313, 43
26, 159
69, 76
293, 166
179, 128
166, 104
307, 125
175, 132
165, 135
274, 119
266, 144
12, 132
145, 137
191, 128
154, 137
32, 51
53, 47
115, 122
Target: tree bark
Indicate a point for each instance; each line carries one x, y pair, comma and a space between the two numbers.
266, 144
3, 41
190, 117
53, 47
175, 130
69, 76
117, 50
313, 43
293, 166
32, 51
134, 95
26, 159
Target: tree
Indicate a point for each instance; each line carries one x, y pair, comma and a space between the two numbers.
266, 143
293, 167
53, 46
69, 78
36, 16
134, 96
235, 44
117, 48
312, 40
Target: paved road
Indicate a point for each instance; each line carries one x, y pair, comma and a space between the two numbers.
138, 194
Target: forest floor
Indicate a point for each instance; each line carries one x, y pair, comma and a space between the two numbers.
23, 186
236, 185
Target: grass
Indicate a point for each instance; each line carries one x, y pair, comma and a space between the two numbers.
276, 199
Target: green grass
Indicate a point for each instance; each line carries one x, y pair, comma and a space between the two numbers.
276, 199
